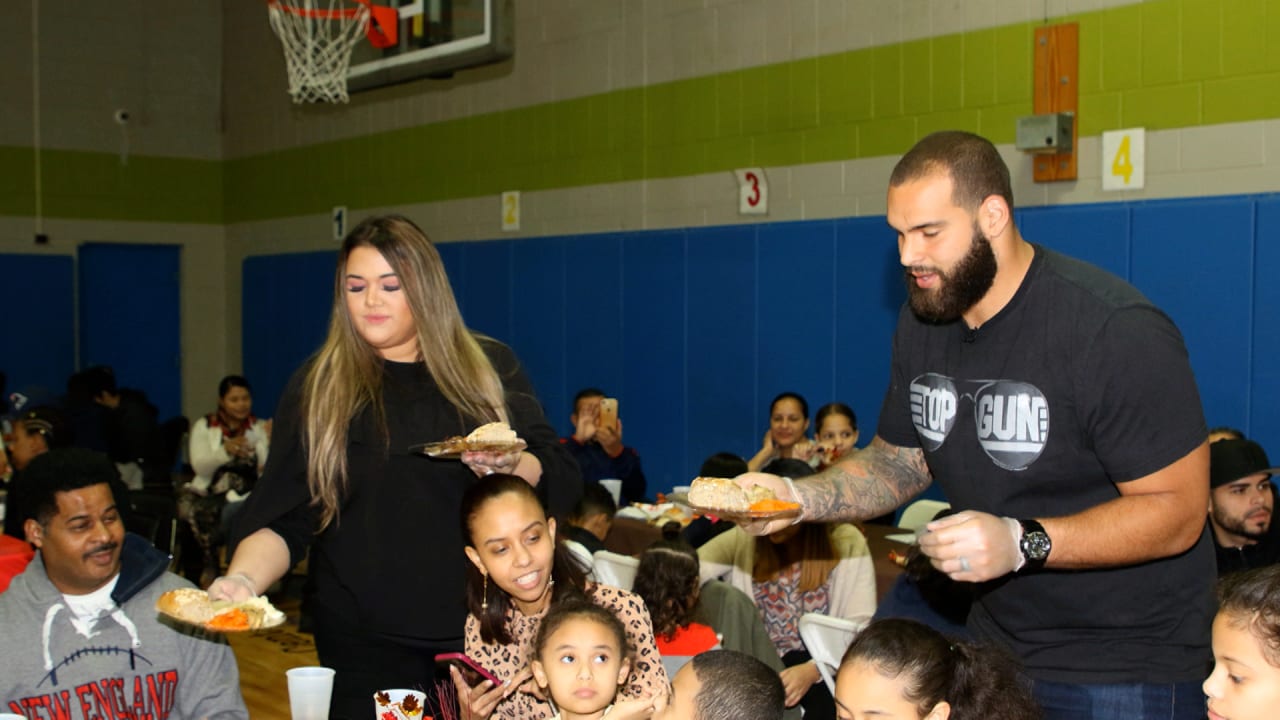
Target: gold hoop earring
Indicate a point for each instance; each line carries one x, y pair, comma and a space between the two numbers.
484, 594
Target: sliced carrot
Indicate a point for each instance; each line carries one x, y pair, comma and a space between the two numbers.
772, 505
233, 619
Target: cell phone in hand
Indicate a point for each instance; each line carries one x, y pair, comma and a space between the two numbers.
608, 413
472, 672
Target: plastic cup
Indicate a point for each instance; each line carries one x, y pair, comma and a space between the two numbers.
393, 706
614, 486
310, 689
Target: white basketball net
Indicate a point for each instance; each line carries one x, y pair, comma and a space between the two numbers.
318, 36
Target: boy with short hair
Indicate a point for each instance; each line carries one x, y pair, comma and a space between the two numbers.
723, 685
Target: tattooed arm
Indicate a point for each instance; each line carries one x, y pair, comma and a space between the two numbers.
873, 481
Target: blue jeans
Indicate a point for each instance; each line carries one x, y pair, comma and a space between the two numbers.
1125, 701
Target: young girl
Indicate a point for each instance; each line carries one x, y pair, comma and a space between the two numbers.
668, 582
903, 669
580, 659
788, 421
837, 432
517, 572
1245, 684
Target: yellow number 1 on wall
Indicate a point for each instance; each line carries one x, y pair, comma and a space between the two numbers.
1124, 159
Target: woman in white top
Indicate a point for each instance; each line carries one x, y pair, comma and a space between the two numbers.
227, 449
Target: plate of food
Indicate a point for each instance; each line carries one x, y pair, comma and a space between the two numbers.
724, 498
497, 437
193, 607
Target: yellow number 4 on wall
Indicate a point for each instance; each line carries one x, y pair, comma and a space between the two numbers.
1124, 159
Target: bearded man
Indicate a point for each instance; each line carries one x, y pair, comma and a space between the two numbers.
1241, 502
1056, 407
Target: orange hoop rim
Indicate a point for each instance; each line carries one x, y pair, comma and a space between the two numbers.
382, 32
321, 14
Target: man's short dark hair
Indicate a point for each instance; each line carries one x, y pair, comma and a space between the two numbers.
977, 171
596, 500
585, 393
61, 470
734, 685
788, 467
723, 465
99, 379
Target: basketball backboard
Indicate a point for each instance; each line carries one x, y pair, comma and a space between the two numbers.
436, 37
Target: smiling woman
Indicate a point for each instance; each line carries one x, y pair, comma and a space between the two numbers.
398, 368
518, 572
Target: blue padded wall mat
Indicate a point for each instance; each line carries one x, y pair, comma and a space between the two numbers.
695, 329
39, 342
284, 316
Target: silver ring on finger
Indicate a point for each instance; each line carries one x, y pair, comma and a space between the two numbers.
964, 564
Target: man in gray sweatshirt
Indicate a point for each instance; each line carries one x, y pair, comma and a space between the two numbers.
82, 638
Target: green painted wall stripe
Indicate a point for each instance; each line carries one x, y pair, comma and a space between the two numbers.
80, 185
1162, 65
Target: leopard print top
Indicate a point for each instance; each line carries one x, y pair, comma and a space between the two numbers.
647, 675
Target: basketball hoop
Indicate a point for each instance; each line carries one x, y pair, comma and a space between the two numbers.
318, 41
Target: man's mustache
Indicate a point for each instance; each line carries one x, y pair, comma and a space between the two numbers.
108, 547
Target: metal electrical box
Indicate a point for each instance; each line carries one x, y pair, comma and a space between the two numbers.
1050, 133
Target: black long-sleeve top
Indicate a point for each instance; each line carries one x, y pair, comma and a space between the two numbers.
392, 562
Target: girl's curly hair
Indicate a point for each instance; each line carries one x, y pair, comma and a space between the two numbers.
1251, 600
667, 580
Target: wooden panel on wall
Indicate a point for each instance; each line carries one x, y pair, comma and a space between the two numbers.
1192, 258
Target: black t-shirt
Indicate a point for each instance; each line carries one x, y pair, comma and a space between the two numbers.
1078, 384
393, 562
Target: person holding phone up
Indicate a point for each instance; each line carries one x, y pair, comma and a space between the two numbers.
596, 444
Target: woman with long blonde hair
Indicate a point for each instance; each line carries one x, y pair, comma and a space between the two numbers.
398, 368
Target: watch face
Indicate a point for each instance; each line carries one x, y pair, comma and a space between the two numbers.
1035, 545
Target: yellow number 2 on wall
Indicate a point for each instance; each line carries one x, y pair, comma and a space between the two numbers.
511, 210
1124, 159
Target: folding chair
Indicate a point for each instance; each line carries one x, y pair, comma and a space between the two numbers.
915, 516
616, 570
826, 638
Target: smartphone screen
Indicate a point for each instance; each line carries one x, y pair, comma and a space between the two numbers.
472, 673
608, 413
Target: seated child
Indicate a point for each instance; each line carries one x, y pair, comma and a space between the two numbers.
668, 582
905, 669
580, 659
591, 518
723, 685
1245, 683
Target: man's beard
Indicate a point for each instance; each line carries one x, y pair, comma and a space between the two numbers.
957, 290
1240, 526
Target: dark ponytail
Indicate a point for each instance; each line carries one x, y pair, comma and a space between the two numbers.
977, 681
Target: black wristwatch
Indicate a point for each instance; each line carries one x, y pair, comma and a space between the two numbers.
1035, 545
